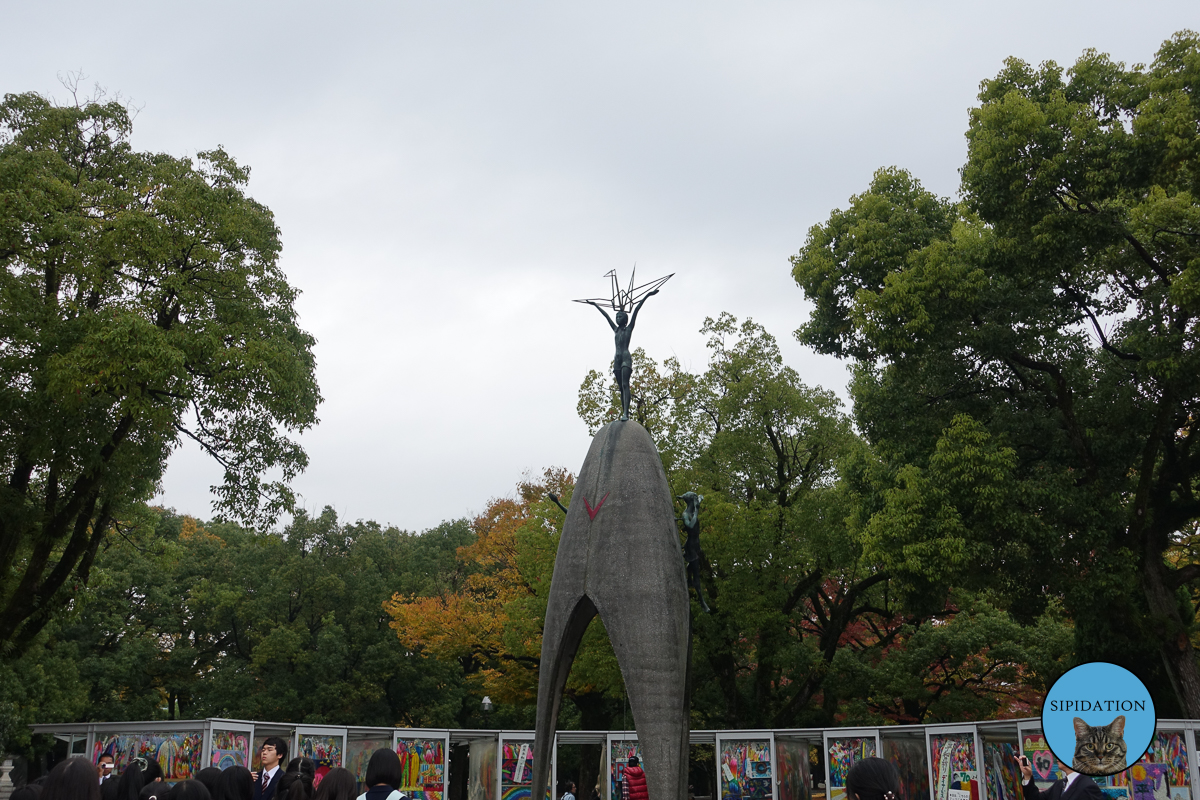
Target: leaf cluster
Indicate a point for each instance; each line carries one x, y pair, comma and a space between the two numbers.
141, 301
1026, 357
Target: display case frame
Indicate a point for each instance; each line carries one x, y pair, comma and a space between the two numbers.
931, 731
217, 724
425, 735
722, 737
832, 734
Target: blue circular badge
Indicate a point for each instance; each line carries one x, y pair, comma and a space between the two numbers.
1098, 718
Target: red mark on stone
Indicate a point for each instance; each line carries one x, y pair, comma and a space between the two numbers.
592, 512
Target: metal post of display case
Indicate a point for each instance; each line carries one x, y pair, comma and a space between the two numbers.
70, 734
745, 736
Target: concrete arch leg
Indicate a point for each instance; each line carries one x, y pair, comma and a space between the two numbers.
619, 556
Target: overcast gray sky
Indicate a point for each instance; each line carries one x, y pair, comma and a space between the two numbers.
449, 175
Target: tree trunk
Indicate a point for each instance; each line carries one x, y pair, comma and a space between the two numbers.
1174, 642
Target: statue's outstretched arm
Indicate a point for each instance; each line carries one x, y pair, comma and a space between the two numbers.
611, 324
642, 302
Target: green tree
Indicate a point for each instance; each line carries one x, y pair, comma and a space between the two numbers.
185, 620
309, 638
787, 580
141, 301
1027, 359
808, 622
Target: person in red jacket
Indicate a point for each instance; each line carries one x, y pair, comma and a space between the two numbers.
635, 779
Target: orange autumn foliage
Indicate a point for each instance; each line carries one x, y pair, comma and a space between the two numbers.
489, 621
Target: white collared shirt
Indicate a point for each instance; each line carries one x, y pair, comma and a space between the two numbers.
269, 774
1070, 779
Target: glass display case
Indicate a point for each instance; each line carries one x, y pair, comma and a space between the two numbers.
953, 762
906, 749
515, 766
177, 747
484, 778
325, 746
793, 768
265, 730
1000, 748
422, 762
745, 765
842, 749
228, 744
621, 746
969, 761
361, 743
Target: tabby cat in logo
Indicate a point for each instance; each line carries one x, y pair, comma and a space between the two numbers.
1099, 749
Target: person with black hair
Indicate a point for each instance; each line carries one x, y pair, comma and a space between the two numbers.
209, 776
139, 772
568, 790
296, 785
30, 791
190, 789
104, 767
72, 779
235, 783
155, 790
273, 753
384, 775
338, 784
873, 779
303, 765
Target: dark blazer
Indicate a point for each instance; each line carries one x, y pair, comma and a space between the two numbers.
267, 792
1082, 788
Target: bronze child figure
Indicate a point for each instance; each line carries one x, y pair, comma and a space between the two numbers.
623, 361
691, 548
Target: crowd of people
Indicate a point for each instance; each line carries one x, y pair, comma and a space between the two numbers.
142, 779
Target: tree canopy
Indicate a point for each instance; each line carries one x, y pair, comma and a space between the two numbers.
184, 620
141, 301
1026, 358
809, 629
1013, 490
